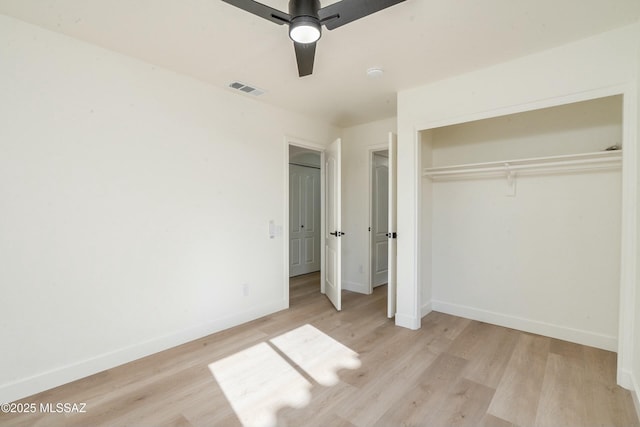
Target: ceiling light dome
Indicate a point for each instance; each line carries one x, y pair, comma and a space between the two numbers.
304, 29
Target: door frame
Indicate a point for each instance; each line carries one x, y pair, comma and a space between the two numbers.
372, 150
291, 141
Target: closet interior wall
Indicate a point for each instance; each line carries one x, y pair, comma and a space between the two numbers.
541, 254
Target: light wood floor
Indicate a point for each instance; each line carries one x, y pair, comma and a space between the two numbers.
452, 372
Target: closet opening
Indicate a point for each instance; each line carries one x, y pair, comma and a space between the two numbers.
521, 220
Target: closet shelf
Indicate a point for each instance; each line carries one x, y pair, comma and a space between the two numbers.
535, 165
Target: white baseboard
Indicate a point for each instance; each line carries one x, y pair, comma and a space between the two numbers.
628, 381
426, 309
355, 287
25, 387
408, 322
625, 379
605, 342
635, 392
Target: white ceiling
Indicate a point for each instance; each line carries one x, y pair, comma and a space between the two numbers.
415, 42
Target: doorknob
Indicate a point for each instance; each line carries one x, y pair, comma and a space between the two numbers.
337, 233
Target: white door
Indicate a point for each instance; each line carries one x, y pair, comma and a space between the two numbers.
333, 231
392, 233
304, 220
379, 218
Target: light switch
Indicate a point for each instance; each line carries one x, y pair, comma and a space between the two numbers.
272, 229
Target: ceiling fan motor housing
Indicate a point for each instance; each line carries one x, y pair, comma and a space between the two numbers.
304, 8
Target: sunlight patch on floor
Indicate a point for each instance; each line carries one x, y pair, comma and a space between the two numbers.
317, 353
258, 381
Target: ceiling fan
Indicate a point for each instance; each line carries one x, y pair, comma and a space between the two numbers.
305, 19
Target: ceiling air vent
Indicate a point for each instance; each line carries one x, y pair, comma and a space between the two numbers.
246, 88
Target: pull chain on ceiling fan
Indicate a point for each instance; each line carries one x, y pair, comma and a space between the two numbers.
306, 18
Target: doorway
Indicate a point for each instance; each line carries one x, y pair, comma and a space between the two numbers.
382, 217
328, 212
304, 211
379, 250
311, 156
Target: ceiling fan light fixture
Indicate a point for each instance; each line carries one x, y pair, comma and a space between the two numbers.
304, 29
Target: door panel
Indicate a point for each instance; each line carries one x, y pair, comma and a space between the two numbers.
333, 231
312, 201
381, 252
294, 198
295, 252
309, 250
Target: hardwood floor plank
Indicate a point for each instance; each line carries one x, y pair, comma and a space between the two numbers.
607, 403
567, 349
490, 421
384, 357
488, 349
464, 406
428, 395
560, 402
449, 326
386, 388
518, 393
472, 339
321, 409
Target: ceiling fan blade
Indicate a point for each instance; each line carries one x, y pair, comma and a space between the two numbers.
261, 10
338, 14
305, 53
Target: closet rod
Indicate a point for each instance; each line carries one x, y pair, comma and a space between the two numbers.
584, 161
505, 167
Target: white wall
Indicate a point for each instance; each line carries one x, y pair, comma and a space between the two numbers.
633, 295
579, 127
357, 143
546, 260
598, 66
127, 220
